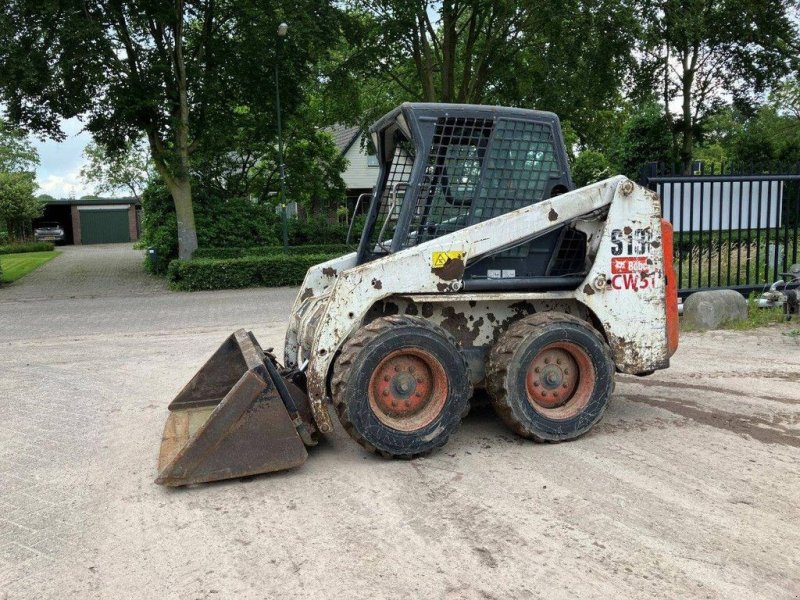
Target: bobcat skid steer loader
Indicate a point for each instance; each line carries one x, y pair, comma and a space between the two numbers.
479, 266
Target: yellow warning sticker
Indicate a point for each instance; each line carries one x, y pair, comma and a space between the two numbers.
439, 259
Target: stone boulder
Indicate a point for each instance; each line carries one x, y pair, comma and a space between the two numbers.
711, 309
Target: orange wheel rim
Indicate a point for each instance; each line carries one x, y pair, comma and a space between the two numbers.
408, 389
560, 380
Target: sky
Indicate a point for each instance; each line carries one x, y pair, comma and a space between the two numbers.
60, 163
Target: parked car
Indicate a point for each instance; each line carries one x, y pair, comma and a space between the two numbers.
48, 232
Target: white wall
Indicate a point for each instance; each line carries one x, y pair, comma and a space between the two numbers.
359, 174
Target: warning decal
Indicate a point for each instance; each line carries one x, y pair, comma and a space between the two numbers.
439, 259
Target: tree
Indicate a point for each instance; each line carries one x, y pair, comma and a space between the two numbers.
174, 71
113, 172
590, 166
645, 137
314, 169
566, 56
18, 206
703, 50
16, 152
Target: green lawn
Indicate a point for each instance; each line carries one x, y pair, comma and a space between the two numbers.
15, 266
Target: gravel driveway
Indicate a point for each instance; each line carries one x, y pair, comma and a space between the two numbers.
690, 486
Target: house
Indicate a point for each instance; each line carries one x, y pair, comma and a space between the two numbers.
361, 174
94, 220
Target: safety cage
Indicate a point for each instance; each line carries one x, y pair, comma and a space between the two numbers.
445, 167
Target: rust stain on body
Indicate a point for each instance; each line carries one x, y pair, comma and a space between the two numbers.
453, 268
377, 284
329, 272
552, 215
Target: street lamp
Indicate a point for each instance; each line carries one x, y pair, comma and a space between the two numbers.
282, 29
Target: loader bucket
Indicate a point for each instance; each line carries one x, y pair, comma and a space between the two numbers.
231, 420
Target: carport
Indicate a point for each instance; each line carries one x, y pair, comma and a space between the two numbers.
95, 220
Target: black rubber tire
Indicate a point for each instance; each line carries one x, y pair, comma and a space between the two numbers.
508, 364
362, 354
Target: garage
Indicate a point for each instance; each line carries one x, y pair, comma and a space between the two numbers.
104, 225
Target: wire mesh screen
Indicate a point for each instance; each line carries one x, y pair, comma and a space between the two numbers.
393, 193
521, 161
451, 178
478, 169
570, 259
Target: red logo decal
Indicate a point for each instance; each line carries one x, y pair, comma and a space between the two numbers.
629, 264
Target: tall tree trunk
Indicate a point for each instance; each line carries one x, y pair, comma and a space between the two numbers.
181, 191
180, 185
687, 126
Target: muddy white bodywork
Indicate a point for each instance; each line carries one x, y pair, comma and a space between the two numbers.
623, 294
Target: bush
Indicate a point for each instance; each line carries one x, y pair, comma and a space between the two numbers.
333, 250
220, 223
313, 231
21, 247
249, 271
590, 166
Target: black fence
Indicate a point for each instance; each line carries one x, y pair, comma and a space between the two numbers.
735, 227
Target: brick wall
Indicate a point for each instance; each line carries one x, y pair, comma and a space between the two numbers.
133, 230
76, 226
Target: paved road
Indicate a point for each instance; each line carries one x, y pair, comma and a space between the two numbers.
690, 487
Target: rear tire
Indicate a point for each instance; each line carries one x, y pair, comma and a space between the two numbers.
550, 377
401, 386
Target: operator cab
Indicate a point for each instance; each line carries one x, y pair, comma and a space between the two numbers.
444, 167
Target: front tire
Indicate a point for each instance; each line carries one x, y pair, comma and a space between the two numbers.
550, 377
401, 386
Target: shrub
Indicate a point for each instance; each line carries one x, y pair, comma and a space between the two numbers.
234, 252
220, 222
249, 271
315, 230
590, 166
18, 248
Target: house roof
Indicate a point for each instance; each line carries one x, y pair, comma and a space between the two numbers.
344, 136
90, 201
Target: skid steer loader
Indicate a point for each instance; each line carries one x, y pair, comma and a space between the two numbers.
479, 266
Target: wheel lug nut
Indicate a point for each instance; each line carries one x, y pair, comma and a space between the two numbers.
408, 403
564, 386
537, 369
418, 394
397, 369
566, 372
411, 369
547, 361
386, 378
394, 403
419, 379
385, 392
558, 361
536, 383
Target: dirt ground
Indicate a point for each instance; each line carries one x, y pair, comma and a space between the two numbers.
689, 487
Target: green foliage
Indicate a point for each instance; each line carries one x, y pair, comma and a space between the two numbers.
16, 151
590, 166
233, 252
194, 77
220, 222
714, 49
18, 206
250, 271
22, 247
126, 171
645, 137
758, 317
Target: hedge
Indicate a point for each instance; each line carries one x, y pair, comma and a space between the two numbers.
21, 247
249, 271
336, 249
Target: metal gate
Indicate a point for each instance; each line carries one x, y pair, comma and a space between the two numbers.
734, 227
